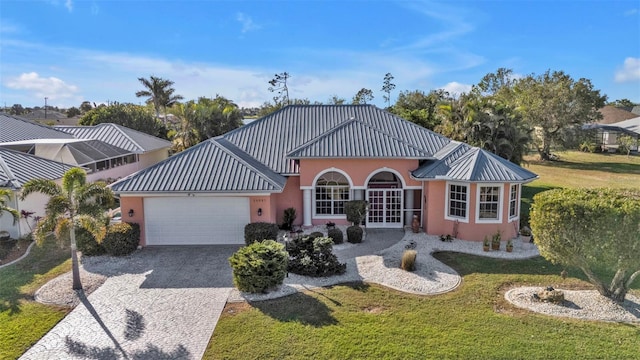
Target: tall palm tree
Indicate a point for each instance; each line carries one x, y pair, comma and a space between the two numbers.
159, 92
5, 195
74, 204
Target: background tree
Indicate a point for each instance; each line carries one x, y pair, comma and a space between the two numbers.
554, 102
336, 100
420, 108
623, 103
279, 86
387, 87
595, 230
159, 92
363, 96
626, 142
5, 196
85, 106
73, 111
132, 116
206, 118
74, 204
17, 109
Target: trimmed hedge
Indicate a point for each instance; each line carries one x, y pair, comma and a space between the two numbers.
121, 239
314, 257
336, 235
87, 244
259, 266
260, 231
354, 234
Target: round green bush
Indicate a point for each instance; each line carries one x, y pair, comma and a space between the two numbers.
260, 231
336, 235
315, 235
354, 234
87, 244
314, 257
121, 239
259, 266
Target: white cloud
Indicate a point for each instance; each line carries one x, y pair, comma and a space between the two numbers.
51, 87
630, 12
455, 88
630, 70
69, 5
247, 23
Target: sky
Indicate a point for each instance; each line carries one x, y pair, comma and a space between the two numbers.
70, 51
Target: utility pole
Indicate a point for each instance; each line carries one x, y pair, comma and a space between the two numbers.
45, 107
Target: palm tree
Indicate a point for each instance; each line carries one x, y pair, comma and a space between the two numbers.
5, 195
159, 92
74, 204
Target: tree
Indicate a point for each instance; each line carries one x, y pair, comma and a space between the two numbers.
623, 103
73, 111
279, 86
363, 96
336, 100
5, 196
420, 108
387, 87
132, 116
208, 118
17, 109
160, 93
554, 102
86, 106
495, 84
75, 204
626, 142
595, 230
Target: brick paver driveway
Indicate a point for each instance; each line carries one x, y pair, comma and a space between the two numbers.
159, 303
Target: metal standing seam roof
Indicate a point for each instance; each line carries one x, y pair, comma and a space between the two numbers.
295, 125
90, 151
371, 143
16, 168
207, 167
15, 128
629, 126
465, 163
117, 135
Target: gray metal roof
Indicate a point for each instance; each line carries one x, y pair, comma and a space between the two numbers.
371, 143
629, 126
459, 161
207, 167
272, 137
90, 151
117, 135
14, 128
16, 168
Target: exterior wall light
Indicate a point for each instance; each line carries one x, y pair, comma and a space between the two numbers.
259, 211
131, 212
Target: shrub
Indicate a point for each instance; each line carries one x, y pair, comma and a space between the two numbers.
259, 266
354, 234
314, 257
121, 239
316, 234
289, 218
408, 262
260, 231
551, 295
87, 244
355, 211
336, 235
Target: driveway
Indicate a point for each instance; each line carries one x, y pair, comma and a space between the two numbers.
159, 303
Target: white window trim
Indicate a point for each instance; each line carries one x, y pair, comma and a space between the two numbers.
500, 203
313, 195
446, 206
517, 200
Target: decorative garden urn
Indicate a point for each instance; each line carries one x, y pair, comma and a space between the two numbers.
415, 224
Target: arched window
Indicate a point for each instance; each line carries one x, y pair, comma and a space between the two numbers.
332, 191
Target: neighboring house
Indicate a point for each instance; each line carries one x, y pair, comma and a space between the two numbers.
612, 114
16, 168
607, 134
314, 158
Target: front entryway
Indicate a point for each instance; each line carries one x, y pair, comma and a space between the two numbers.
386, 201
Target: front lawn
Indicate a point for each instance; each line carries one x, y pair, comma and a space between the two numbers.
23, 321
361, 321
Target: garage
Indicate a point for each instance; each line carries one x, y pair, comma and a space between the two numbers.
195, 220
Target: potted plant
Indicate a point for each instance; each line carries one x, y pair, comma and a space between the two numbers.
509, 245
486, 244
495, 241
525, 234
331, 225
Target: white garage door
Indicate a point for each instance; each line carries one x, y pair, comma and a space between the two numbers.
195, 220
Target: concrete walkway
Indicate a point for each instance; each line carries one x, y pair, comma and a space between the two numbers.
159, 303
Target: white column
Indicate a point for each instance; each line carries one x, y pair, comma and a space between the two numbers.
306, 207
408, 204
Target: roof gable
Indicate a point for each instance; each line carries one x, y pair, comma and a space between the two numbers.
371, 143
15, 128
118, 135
16, 168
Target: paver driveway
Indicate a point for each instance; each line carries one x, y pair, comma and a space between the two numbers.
160, 303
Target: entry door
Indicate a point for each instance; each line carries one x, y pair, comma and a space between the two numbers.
385, 208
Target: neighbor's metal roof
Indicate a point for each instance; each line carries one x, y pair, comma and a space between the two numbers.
14, 128
459, 161
272, 137
371, 143
117, 135
207, 167
16, 168
90, 151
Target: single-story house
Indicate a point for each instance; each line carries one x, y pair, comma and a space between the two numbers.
16, 168
314, 158
607, 134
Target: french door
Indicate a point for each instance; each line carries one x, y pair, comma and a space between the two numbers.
385, 208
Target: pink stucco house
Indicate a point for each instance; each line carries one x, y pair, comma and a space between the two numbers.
315, 158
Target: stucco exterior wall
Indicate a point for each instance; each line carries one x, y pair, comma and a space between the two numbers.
150, 158
359, 170
135, 203
266, 205
291, 196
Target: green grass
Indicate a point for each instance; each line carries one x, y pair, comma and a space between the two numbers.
359, 321
22, 320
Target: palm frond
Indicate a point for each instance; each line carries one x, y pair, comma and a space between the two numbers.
62, 229
93, 226
57, 205
43, 186
73, 179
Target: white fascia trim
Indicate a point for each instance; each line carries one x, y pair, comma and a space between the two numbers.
500, 203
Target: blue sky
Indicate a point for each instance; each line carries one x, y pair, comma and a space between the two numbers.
71, 50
